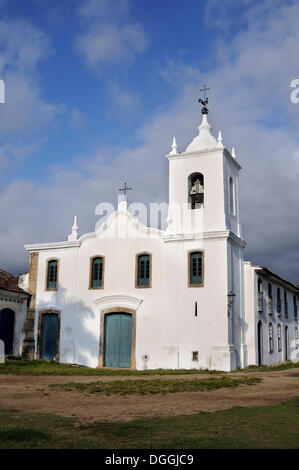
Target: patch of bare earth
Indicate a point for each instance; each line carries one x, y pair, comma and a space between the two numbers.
33, 394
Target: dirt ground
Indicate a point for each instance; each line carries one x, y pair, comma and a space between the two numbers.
33, 394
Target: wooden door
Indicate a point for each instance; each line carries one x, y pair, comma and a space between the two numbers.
118, 340
49, 336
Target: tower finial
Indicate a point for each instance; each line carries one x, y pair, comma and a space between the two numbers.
220, 140
74, 235
205, 100
173, 147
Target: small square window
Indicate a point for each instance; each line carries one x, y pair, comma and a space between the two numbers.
195, 356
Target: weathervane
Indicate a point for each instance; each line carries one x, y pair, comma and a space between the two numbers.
205, 100
124, 190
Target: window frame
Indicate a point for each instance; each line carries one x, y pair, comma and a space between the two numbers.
279, 340
296, 337
137, 256
232, 197
91, 260
270, 337
295, 307
202, 268
48, 261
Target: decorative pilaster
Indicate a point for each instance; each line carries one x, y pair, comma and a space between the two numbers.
28, 349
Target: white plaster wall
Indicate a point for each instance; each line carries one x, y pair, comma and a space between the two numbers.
20, 309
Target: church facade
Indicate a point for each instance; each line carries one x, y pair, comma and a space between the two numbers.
133, 296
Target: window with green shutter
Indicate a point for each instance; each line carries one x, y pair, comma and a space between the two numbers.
196, 268
52, 274
144, 267
97, 273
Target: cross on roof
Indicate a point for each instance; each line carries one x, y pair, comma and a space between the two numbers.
125, 189
204, 89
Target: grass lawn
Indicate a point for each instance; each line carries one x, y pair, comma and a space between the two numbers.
244, 428
25, 367
142, 387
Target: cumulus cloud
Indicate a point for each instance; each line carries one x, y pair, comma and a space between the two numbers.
22, 48
109, 37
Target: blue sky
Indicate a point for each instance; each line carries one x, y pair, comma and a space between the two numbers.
96, 89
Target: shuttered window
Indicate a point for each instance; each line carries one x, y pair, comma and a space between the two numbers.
270, 338
196, 268
52, 275
97, 273
279, 337
143, 275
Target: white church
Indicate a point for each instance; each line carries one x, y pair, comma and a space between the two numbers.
137, 297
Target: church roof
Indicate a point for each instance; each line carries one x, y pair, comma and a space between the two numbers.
205, 139
10, 283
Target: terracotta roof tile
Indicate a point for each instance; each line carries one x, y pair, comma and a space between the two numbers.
10, 283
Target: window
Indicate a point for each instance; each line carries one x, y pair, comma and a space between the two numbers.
196, 190
278, 302
270, 304
143, 278
296, 338
196, 269
97, 273
279, 337
286, 314
260, 295
295, 307
195, 356
52, 275
232, 207
270, 338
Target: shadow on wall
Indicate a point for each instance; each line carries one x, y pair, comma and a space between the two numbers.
79, 329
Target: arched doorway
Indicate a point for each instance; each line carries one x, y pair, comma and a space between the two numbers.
259, 343
286, 343
7, 325
118, 339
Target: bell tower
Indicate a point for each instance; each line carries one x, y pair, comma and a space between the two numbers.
203, 179
204, 217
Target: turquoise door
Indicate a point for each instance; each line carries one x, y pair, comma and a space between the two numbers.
118, 340
49, 336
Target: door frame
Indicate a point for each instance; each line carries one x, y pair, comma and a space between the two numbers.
102, 334
286, 343
13, 331
260, 343
40, 333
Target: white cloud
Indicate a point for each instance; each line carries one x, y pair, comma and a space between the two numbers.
109, 37
75, 119
22, 48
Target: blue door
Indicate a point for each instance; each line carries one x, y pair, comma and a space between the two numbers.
7, 323
118, 340
49, 336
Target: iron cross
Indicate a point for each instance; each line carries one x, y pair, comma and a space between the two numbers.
125, 189
204, 89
